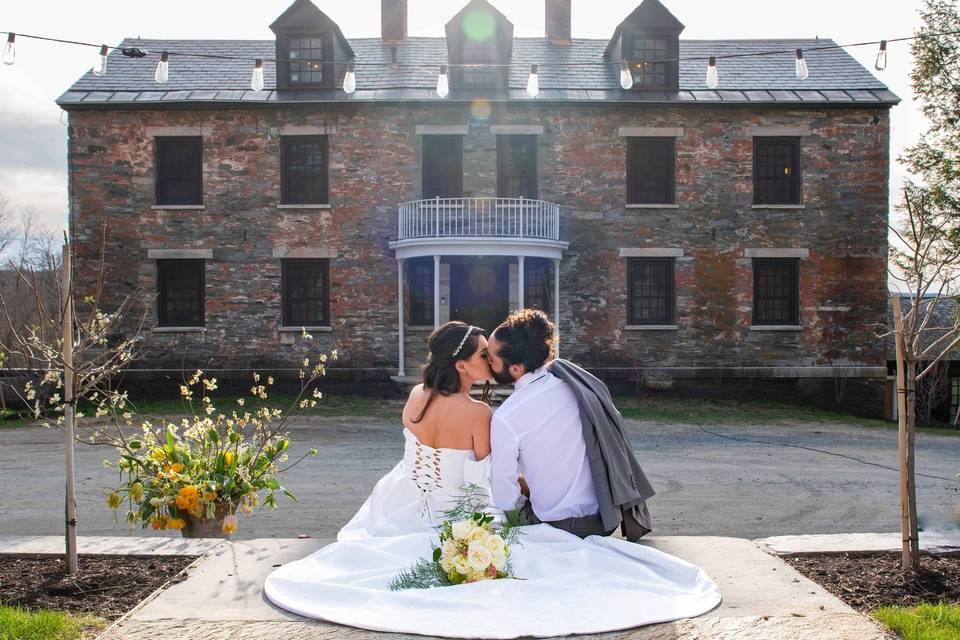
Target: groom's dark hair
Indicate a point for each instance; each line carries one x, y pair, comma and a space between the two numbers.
528, 338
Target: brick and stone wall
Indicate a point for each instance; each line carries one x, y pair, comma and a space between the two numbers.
375, 165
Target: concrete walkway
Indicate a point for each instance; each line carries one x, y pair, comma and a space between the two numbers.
930, 541
763, 598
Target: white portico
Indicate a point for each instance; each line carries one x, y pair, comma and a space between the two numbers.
475, 259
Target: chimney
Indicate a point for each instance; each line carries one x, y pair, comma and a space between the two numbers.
558, 22
393, 21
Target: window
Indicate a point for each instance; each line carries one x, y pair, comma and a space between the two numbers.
650, 170
304, 166
442, 166
180, 299
306, 301
478, 53
954, 398
179, 170
536, 284
776, 170
421, 292
517, 166
306, 61
776, 291
643, 55
650, 290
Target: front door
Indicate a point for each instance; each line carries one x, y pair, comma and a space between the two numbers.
479, 291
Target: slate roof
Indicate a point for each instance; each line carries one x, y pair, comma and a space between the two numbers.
942, 320
836, 78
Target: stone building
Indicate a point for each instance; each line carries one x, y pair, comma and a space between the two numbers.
680, 234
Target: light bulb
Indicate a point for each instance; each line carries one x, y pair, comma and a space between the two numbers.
443, 82
100, 67
163, 68
256, 81
350, 80
533, 83
626, 76
713, 77
881, 63
802, 71
10, 49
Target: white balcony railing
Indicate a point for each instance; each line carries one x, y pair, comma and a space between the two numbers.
479, 218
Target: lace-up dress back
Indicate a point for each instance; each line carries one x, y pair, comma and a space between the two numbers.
415, 495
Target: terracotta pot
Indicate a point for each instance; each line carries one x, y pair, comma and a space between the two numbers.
206, 527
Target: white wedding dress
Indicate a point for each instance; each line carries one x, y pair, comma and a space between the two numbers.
567, 585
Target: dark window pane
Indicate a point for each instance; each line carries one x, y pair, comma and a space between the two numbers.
305, 56
776, 170
306, 293
650, 290
650, 170
776, 291
180, 285
442, 166
517, 166
304, 163
421, 292
537, 290
644, 54
179, 170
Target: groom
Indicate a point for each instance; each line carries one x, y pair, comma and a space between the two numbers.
558, 440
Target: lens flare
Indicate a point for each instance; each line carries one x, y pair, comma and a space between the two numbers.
480, 109
479, 25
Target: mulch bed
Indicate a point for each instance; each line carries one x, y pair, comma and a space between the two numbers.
105, 586
868, 581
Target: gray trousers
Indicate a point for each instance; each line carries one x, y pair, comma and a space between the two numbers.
580, 527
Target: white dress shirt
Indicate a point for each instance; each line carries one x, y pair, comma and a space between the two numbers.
537, 432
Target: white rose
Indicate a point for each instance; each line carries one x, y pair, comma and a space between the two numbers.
499, 560
461, 564
495, 544
478, 533
479, 556
462, 529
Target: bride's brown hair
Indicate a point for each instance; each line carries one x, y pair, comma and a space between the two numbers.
440, 374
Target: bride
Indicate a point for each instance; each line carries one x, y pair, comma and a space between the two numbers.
567, 585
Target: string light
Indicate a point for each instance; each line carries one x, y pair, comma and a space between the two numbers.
10, 49
713, 78
163, 68
100, 67
443, 82
533, 82
256, 81
802, 71
626, 76
350, 80
881, 62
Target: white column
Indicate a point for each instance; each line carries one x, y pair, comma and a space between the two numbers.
556, 303
522, 304
436, 292
400, 360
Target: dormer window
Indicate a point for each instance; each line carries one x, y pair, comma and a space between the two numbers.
312, 52
482, 53
644, 56
648, 41
479, 35
306, 60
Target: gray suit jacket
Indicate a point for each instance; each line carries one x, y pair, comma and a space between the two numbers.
622, 488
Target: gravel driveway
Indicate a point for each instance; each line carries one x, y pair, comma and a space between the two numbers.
706, 484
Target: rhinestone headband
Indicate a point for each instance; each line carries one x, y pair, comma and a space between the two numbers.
464, 341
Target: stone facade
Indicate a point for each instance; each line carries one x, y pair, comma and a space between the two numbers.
375, 165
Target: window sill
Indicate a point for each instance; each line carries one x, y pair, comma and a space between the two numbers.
778, 206
304, 206
179, 329
652, 327
652, 206
178, 206
776, 327
420, 327
301, 329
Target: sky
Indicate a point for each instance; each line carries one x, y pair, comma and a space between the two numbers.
33, 134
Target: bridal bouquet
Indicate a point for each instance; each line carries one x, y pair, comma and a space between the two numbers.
471, 549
